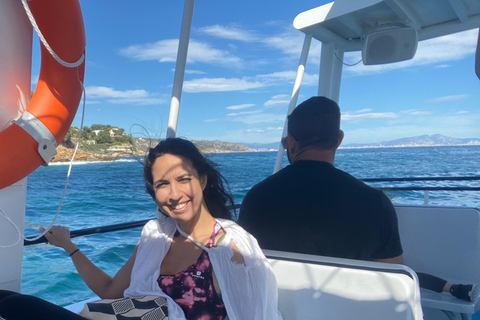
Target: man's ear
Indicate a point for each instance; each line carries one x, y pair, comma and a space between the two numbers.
203, 181
291, 148
291, 143
341, 134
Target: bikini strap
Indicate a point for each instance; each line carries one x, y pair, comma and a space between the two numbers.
216, 229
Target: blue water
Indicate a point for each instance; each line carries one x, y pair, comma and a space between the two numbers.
113, 192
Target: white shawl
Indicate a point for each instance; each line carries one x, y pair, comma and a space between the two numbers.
249, 291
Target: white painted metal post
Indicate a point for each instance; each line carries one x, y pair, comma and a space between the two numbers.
180, 67
337, 69
15, 85
294, 97
325, 73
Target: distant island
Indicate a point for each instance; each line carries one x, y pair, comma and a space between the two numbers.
107, 143
418, 141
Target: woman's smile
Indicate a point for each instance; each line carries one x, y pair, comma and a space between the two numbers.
179, 207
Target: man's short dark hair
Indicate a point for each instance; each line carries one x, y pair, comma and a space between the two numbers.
315, 122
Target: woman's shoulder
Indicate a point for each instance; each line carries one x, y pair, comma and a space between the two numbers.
230, 225
238, 235
163, 225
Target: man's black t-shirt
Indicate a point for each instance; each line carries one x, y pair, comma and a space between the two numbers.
312, 207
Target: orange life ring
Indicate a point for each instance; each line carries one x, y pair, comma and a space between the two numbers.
57, 95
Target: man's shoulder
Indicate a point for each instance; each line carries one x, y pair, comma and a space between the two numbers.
274, 179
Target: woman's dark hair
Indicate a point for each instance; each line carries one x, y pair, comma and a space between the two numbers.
216, 193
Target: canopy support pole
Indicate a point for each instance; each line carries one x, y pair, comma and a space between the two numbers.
294, 97
180, 67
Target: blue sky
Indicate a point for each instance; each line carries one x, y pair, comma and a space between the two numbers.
240, 71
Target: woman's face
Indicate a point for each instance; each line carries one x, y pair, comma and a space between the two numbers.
178, 188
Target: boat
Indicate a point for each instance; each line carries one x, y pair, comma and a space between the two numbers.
331, 287
387, 31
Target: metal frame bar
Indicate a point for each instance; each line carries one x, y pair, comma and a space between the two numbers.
294, 98
180, 67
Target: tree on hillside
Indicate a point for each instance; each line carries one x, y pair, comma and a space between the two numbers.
119, 131
103, 137
101, 127
87, 133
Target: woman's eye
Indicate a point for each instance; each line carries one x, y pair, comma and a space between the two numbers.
160, 185
185, 180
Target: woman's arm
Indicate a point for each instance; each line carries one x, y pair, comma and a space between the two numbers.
96, 279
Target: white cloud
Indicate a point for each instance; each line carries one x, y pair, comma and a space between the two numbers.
228, 32
166, 51
368, 115
420, 113
220, 84
236, 114
447, 99
283, 77
194, 72
138, 97
241, 106
107, 92
290, 43
246, 83
268, 129
280, 100
362, 111
138, 101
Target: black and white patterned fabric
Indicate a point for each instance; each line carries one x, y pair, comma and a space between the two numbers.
136, 308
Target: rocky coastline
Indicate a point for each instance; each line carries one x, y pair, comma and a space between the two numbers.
139, 149
65, 155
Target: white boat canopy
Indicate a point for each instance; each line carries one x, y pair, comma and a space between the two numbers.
385, 31
345, 22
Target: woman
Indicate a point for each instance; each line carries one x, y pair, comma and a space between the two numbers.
205, 265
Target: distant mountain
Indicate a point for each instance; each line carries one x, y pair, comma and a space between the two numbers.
425, 140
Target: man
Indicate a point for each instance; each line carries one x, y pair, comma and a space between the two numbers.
314, 208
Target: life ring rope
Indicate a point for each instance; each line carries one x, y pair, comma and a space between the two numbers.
45, 43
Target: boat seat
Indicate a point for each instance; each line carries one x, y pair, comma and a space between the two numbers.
444, 242
317, 287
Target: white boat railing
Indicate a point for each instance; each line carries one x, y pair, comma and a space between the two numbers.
425, 189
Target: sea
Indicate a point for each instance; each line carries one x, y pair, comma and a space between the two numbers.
105, 193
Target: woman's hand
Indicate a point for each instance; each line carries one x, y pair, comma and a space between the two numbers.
60, 237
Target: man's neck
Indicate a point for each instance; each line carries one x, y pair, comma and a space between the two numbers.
315, 154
